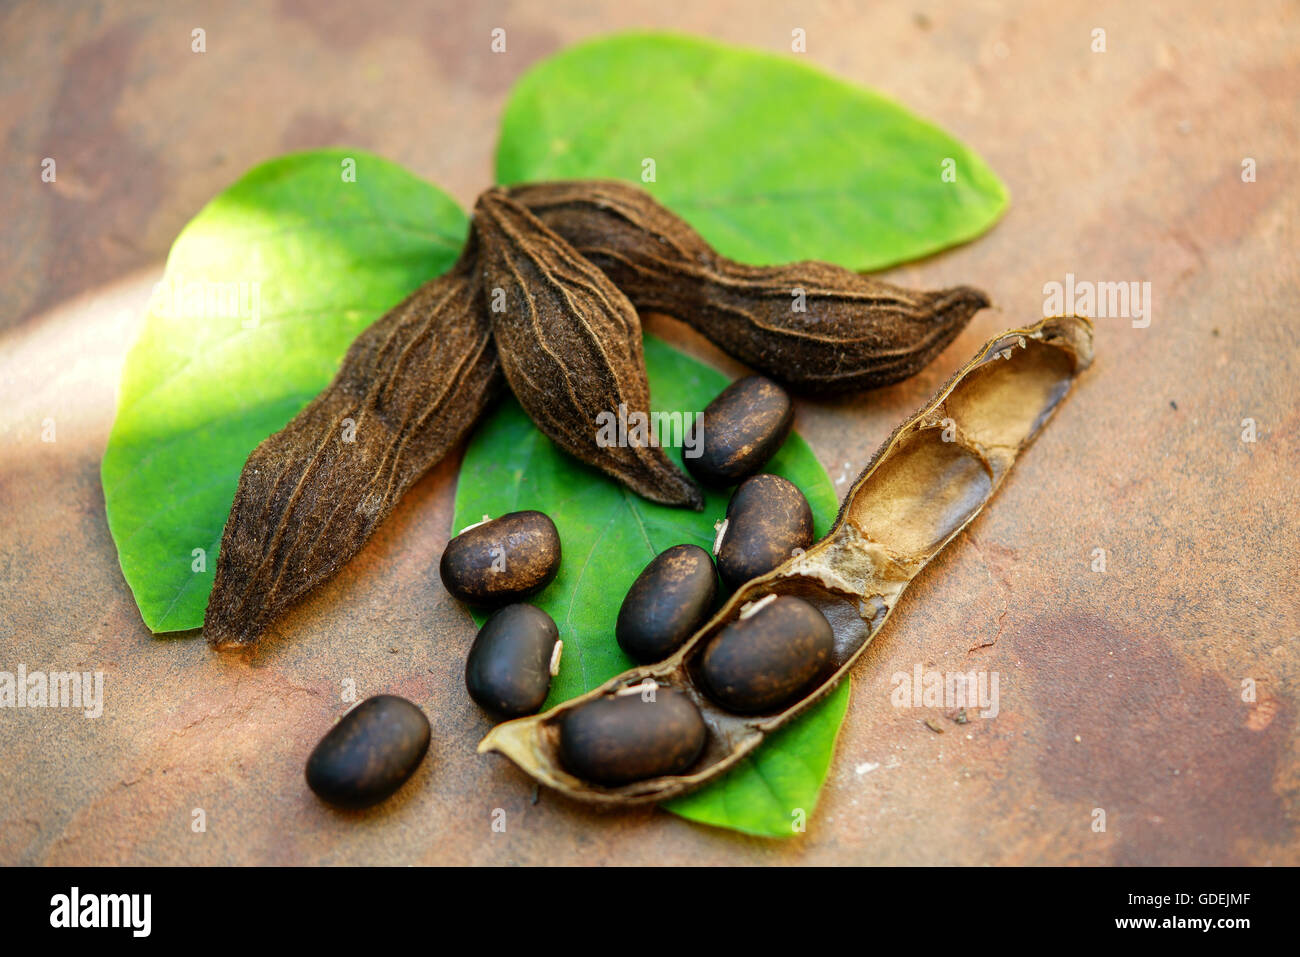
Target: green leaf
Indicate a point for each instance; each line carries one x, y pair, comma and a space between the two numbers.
773, 791
608, 535
319, 258
771, 160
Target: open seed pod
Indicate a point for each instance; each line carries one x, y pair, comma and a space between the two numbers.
924, 485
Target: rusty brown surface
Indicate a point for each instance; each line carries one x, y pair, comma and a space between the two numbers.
1120, 690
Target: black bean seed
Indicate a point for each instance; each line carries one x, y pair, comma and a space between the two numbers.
742, 428
768, 659
671, 597
508, 671
502, 561
767, 519
631, 736
368, 755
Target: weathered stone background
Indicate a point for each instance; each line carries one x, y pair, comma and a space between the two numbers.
1120, 690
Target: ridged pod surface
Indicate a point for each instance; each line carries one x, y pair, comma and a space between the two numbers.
310, 496
570, 343
817, 327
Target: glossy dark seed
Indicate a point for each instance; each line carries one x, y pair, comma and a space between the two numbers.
502, 561
671, 597
767, 519
509, 668
769, 659
742, 428
624, 738
368, 755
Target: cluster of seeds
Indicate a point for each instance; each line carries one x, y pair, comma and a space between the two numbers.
545, 299
499, 563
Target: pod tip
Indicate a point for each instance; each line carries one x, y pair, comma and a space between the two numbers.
227, 636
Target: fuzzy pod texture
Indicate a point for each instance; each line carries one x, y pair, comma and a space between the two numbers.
570, 345
817, 327
310, 496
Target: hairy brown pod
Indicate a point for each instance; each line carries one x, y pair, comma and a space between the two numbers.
817, 327
927, 483
411, 386
570, 344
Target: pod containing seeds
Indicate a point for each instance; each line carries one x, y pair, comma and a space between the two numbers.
927, 483
768, 656
671, 597
645, 733
767, 520
741, 429
510, 665
501, 561
370, 753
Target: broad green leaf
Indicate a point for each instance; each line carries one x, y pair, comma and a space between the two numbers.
770, 159
263, 292
608, 535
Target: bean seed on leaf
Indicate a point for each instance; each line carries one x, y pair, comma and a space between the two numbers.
510, 664
767, 519
742, 428
671, 597
503, 560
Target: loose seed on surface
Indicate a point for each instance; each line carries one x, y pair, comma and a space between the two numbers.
370, 753
741, 429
